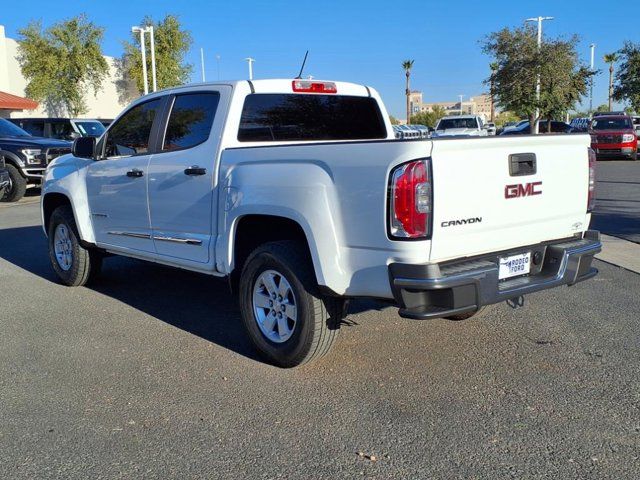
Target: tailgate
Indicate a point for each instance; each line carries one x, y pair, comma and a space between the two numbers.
480, 205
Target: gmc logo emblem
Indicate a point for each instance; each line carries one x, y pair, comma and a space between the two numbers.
522, 190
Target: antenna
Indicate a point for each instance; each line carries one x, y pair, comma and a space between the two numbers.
303, 63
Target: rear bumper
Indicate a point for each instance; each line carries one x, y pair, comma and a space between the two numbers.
431, 291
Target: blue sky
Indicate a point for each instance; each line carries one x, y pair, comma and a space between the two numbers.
358, 41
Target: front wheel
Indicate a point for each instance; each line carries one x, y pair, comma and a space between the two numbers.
286, 319
17, 185
74, 264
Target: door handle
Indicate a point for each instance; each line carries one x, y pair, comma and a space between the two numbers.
135, 173
195, 170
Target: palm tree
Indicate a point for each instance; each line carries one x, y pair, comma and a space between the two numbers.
611, 58
407, 65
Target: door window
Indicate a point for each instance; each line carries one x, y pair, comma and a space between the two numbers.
62, 130
190, 120
130, 134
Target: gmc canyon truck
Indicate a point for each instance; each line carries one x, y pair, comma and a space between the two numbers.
299, 194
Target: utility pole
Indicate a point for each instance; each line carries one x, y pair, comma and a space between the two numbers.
153, 57
460, 97
145, 80
250, 61
593, 48
202, 64
539, 20
218, 64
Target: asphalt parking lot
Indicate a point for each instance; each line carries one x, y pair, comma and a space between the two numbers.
147, 374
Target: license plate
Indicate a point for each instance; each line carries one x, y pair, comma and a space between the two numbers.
514, 265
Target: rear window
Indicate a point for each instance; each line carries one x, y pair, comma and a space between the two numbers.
293, 117
448, 123
611, 123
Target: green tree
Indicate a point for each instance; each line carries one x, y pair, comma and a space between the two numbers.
504, 117
611, 58
62, 63
394, 120
429, 118
407, 65
172, 43
519, 61
627, 85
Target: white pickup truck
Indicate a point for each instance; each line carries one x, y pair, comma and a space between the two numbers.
298, 192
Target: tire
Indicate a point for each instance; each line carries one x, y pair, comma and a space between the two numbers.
82, 265
315, 328
464, 316
18, 186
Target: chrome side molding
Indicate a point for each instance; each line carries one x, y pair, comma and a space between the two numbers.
188, 241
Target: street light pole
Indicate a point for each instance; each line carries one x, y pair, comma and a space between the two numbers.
153, 57
202, 64
144, 57
539, 20
250, 61
460, 97
593, 48
218, 64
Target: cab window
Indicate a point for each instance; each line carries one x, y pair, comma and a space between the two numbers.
130, 134
190, 120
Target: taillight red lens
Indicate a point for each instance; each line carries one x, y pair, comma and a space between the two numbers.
591, 203
410, 200
314, 87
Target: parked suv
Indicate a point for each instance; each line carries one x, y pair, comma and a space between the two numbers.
461, 126
60, 128
614, 136
26, 158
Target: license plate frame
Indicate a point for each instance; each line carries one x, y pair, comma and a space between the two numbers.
514, 265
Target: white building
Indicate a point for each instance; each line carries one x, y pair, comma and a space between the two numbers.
106, 104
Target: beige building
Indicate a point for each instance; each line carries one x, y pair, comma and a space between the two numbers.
106, 104
477, 105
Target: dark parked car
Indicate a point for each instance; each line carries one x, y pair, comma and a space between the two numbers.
26, 158
60, 128
524, 129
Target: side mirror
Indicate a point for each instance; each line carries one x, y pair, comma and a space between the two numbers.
84, 147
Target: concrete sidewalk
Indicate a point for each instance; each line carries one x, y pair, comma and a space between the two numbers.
620, 252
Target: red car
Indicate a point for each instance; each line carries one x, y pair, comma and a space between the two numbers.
614, 136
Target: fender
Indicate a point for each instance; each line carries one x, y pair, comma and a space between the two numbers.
65, 176
300, 191
13, 159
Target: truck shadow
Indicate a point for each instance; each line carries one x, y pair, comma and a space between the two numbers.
196, 303
199, 304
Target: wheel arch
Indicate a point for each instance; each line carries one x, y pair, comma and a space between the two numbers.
11, 158
54, 199
255, 229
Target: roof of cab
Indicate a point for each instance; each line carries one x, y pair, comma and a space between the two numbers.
276, 85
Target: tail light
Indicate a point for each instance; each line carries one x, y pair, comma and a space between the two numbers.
410, 201
592, 180
314, 87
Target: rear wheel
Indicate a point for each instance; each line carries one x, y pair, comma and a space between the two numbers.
17, 185
286, 318
74, 264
